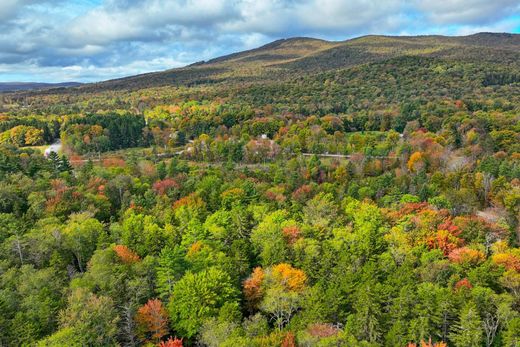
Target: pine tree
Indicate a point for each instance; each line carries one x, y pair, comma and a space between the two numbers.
55, 162
161, 170
181, 138
468, 333
64, 164
172, 167
86, 170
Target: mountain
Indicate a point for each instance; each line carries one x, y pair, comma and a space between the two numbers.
16, 86
306, 75
287, 57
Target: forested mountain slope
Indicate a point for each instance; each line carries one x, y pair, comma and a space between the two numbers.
300, 65
303, 56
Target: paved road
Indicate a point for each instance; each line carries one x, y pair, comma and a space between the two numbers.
347, 156
55, 147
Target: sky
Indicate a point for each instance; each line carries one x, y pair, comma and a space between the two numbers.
94, 40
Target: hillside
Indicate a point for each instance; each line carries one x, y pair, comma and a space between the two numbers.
284, 58
15, 86
309, 75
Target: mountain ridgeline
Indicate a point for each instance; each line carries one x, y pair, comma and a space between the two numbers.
302, 56
287, 70
307, 55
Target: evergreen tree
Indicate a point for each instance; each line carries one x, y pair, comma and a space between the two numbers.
172, 167
468, 332
55, 162
161, 170
65, 164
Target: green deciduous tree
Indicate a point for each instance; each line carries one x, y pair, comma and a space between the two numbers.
198, 296
88, 319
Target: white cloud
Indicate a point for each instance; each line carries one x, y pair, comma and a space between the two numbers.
336, 14
88, 73
467, 11
87, 40
502, 26
8, 8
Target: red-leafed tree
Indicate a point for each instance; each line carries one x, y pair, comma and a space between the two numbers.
171, 342
444, 241
152, 321
291, 233
163, 186
463, 283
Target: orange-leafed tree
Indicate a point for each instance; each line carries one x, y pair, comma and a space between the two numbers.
509, 260
125, 254
444, 241
253, 287
463, 284
322, 330
416, 162
114, 162
291, 278
428, 344
171, 342
152, 321
289, 340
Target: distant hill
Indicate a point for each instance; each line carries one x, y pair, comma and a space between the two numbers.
284, 58
16, 86
307, 75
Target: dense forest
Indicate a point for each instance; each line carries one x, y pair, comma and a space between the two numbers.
306, 193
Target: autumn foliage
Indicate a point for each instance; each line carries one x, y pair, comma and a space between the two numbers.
302, 193
114, 162
465, 255
428, 344
191, 200
508, 260
293, 279
152, 321
289, 340
291, 233
195, 248
443, 240
171, 342
126, 255
322, 330
163, 186
463, 283
415, 161
252, 287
